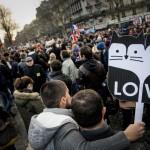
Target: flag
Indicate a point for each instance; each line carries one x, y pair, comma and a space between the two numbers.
75, 30
75, 33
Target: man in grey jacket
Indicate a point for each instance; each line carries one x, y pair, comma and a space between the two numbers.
89, 111
54, 129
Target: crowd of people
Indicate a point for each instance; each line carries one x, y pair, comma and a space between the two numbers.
54, 95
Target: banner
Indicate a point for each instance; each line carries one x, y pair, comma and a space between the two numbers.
137, 20
129, 73
147, 18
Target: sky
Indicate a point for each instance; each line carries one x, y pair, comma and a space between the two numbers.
23, 11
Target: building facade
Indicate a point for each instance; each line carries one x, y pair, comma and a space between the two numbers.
58, 16
101, 13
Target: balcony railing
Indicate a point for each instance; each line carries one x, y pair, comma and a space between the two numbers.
112, 11
128, 6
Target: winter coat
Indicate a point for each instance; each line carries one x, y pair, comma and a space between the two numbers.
58, 75
99, 133
6, 78
53, 129
69, 69
28, 105
37, 74
91, 75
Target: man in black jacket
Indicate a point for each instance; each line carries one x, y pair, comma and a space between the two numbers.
5, 86
34, 71
56, 74
91, 73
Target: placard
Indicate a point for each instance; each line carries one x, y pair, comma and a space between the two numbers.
147, 18
129, 72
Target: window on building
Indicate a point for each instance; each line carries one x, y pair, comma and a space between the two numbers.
76, 7
100, 20
97, 1
123, 14
73, 10
134, 11
132, 1
79, 5
148, 8
112, 17
121, 3
87, 3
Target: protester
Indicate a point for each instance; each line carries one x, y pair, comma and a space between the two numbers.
5, 60
52, 57
55, 129
56, 50
22, 63
69, 69
8, 134
5, 82
28, 102
36, 72
88, 109
56, 74
92, 73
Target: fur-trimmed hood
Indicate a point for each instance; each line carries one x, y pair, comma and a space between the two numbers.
26, 96
30, 100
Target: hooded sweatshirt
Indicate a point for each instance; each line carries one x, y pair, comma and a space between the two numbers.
92, 74
53, 129
44, 126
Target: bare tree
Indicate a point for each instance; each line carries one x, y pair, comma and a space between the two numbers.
6, 23
52, 17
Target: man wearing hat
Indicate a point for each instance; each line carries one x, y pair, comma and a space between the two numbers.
35, 71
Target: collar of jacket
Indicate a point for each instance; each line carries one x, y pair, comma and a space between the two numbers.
67, 112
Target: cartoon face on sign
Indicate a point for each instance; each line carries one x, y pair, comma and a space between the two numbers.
127, 52
126, 47
128, 60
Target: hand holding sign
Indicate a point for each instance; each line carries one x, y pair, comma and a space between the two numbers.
129, 76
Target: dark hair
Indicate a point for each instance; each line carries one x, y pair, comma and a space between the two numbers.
4, 115
63, 46
87, 107
23, 55
51, 93
56, 65
6, 54
21, 84
65, 54
87, 52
